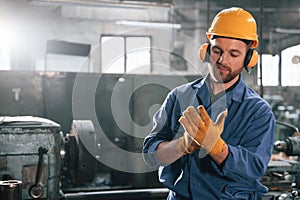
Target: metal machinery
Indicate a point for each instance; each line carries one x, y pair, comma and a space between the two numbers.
282, 176
38, 162
48, 154
35, 153
30, 152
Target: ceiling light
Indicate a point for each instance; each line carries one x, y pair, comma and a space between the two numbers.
106, 3
149, 24
288, 31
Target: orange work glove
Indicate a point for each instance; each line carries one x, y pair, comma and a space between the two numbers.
203, 130
186, 144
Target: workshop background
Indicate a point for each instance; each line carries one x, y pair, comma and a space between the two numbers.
81, 79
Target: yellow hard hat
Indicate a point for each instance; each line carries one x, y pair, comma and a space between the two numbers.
235, 23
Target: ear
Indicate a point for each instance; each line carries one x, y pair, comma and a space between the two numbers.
251, 58
204, 52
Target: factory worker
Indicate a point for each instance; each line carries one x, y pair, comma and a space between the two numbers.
213, 138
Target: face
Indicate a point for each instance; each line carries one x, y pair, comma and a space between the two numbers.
227, 59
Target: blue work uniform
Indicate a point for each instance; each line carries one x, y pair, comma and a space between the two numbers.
248, 131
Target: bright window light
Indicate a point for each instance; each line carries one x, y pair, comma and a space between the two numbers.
6, 41
125, 54
138, 55
112, 54
269, 70
290, 71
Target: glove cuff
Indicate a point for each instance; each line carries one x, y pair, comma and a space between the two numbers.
218, 148
186, 145
181, 146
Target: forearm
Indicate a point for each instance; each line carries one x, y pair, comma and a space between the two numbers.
167, 153
220, 157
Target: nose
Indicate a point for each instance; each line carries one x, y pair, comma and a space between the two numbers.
222, 59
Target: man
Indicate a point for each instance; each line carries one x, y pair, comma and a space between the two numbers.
213, 138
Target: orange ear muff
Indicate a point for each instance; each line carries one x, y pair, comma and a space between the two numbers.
251, 58
203, 52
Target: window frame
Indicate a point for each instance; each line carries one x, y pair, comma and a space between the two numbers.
125, 49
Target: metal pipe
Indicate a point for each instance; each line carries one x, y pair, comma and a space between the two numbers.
208, 13
279, 69
260, 46
154, 193
295, 128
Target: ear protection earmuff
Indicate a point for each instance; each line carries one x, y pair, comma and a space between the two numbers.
251, 58
204, 52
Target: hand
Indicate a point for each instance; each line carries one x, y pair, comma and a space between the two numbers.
202, 129
186, 144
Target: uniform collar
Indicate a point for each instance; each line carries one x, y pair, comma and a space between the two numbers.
236, 94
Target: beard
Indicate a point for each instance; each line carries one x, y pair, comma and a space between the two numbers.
223, 74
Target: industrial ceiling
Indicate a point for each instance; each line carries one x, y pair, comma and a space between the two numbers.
278, 20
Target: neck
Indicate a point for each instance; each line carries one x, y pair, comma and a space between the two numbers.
217, 88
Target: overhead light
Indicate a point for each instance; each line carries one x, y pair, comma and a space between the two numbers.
288, 31
106, 3
149, 24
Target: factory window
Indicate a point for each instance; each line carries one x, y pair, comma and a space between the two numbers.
66, 63
67, 56
125, 54
290, 69
6, 47
269, 70
4, 58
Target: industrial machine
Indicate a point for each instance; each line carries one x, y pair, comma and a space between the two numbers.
282, 176
39, 162
46, 157
30, 152
47, 153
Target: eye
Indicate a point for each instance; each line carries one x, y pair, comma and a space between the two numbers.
234, 55
216, 50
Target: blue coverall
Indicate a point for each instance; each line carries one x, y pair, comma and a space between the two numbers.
248, 131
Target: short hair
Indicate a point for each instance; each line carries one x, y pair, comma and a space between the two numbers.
247, 42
